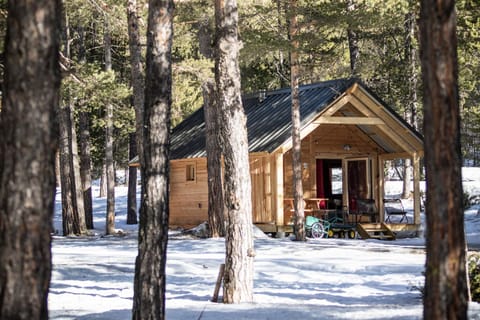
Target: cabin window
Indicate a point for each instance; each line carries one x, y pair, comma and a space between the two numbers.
191, 172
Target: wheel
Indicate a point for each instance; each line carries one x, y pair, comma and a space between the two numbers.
330, 233
317, 231
351, 234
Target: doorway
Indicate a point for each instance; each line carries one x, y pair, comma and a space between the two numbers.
330, 181
358, 180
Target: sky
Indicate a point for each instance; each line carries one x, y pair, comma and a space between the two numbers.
92, 277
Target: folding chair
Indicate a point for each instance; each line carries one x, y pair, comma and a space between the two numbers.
394, 207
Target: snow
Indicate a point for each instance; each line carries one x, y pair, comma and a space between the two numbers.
92, 277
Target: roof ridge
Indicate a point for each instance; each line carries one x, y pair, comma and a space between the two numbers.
302, 87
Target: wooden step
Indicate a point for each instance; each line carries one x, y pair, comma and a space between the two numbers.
375, 231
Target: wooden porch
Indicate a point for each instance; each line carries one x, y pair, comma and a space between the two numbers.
351, 139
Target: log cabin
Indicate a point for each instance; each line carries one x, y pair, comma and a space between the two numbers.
347, 132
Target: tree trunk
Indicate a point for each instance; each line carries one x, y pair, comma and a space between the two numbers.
82, 52
353, 49
86, 168
57, 168
407, 178
411, 111
411, 53
299, 226
205, 34
216, 206
149, 286
28, 142
70, 222
110, 172
137, 70
85, 154
238, 277
132, 183
109, 166
70, 149
70, 213
77, 181
137, 81
282, 8
446, 294
103, 182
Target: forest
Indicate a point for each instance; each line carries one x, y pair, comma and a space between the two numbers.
128, 72
374, 40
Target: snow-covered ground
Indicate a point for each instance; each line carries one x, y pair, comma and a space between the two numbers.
321, 279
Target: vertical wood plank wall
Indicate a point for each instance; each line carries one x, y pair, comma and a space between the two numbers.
262, 189
189, 199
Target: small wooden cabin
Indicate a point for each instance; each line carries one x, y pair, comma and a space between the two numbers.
347, 135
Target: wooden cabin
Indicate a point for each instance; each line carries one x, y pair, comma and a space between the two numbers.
347, 135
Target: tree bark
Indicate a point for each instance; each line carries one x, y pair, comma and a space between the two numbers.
238, 277
132, 183
57, 168
216, 206
299, 226
353, 48
85, 149
446, 295
70, 150
411, 55
110, 172
282, 12
109, 167
411, 110
28, 141
407, 178
76, 178
103, 182
137, 70
86, 168
70, 222
149, 286
137, 81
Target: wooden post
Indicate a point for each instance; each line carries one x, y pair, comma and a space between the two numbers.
416, 189
219, 282
280, 220
381, 187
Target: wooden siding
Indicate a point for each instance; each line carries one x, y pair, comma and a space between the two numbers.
189, 199
262, 201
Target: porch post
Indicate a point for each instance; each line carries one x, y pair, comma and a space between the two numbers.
416, 188
381, 188
278, 185
346, 203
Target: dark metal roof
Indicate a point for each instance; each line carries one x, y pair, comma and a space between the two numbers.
268, 114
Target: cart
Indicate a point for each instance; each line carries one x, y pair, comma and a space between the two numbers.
335, 225
316, 227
